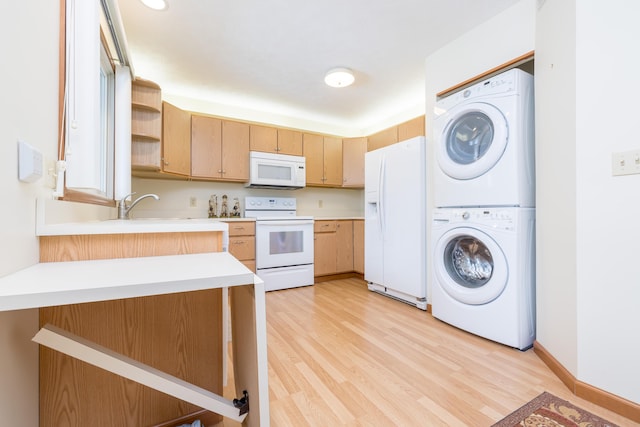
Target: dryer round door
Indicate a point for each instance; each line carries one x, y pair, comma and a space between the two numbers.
470, 266
472, 141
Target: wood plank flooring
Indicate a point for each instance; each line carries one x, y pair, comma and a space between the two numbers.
340, 355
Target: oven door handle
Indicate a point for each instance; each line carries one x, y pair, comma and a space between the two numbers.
285, 222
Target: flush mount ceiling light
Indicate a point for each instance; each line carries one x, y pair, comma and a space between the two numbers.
339, 77
155, 4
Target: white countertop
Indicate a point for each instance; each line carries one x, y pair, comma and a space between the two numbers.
337, 218
126, 226
72, 282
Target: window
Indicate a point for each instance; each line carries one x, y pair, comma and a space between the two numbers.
107, 121
96, 104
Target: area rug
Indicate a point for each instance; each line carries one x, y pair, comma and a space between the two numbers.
548, 410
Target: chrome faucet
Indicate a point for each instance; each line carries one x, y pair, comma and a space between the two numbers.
123, 209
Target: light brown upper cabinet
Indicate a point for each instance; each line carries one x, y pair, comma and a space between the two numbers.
290, 142
206, 147
401, 132
235, 151
274, 140
382, 138
263, 138
353, 150
176, 140
219, 149
411, 128
323, 156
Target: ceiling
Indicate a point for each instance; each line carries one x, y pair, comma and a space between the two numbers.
271, 55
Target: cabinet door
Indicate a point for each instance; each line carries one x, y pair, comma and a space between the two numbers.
243, 247
176, 140
353, 150
324, 247
358, 246
382, 138
235, 151
344, 246
333, 161
289, 142
312, 146
411, 128
263, 138
206, 147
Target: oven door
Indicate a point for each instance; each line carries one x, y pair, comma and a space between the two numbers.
282, 243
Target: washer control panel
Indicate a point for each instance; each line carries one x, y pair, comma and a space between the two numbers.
499, 218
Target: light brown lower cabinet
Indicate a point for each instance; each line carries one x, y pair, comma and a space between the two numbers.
179, 334
242, 242
333, 247
358, 246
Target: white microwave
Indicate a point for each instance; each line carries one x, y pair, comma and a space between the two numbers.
277, 171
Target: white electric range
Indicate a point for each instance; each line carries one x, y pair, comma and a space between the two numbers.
284, 242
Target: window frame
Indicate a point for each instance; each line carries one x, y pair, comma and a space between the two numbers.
97, 197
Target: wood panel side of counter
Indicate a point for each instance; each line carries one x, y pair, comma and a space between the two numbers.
180, 334
104, 246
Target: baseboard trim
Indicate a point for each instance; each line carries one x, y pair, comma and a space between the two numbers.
339, 276
556, 367
600, 397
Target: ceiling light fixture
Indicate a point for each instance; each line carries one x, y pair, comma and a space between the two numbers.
339, 77
155, 4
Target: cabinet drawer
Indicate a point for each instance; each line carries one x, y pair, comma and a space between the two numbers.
243, 247
242, 228
324, 227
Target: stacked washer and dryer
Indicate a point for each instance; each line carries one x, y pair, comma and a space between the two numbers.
483, 229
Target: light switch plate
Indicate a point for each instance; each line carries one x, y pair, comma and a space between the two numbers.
30, 163
625, 163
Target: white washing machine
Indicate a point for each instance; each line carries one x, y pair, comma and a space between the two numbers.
484, 144
484, 272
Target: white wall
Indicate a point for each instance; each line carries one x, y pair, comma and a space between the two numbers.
28, 111
587, 219
608, 208
556, 144
175, 199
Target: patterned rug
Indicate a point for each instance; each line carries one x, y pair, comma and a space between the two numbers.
548, 410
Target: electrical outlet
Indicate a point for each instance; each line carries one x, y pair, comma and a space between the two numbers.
625, 163
52, 175
193, 202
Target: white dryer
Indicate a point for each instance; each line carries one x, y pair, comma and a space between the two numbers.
484, 272
484, 144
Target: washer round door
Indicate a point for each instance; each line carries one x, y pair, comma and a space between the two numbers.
472, 141
470, 266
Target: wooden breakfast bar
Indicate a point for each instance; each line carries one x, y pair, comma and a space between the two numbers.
96, 298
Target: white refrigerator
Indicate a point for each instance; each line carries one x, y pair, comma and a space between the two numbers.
395, 221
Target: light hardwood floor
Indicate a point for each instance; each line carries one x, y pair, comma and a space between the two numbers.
340, 355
